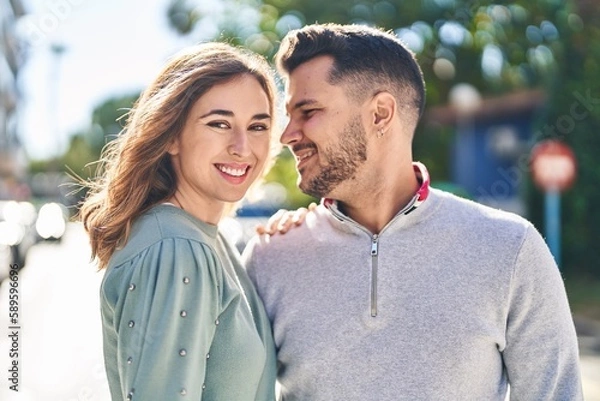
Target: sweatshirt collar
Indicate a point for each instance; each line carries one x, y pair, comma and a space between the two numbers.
417, 200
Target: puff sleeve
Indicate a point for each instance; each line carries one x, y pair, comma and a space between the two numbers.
158, 311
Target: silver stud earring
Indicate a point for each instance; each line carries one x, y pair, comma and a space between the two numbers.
380, 133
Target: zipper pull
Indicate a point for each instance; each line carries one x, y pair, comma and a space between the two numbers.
375, 245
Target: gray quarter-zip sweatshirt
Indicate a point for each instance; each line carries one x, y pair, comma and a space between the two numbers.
451, 301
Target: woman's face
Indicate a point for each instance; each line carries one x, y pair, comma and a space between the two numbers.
224, 143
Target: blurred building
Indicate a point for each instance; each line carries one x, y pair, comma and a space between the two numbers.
12, 156
490, 153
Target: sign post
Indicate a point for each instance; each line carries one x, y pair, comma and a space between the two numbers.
553, 167
553, 226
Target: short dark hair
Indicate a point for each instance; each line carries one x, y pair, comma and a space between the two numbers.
366, 59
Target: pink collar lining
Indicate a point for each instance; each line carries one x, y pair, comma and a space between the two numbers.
422, 193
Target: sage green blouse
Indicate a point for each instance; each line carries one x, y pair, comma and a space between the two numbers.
181, 319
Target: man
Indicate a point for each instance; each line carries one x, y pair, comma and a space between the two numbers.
391, 290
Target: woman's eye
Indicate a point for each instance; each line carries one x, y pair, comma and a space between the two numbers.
259, 127
218, 124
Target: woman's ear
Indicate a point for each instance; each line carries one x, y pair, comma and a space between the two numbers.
384, 110
173, 148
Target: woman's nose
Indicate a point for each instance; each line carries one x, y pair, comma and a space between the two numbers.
239, 144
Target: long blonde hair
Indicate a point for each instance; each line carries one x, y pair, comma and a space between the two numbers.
135, 168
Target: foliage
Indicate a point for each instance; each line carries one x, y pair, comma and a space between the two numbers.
584, 296
495, 46
573, 116
86, 146
284, 172
180, 18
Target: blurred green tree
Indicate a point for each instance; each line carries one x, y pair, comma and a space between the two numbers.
497, 47
106, 123
108, 119
85, 146
573, 116
284, 172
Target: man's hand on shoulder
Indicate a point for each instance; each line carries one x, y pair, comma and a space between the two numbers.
283, 220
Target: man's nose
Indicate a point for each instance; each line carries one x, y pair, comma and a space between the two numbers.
291, 134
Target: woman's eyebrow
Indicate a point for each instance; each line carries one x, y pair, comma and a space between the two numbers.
262, 116
220, 112
229, 113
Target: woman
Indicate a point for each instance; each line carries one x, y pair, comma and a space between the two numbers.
180, 316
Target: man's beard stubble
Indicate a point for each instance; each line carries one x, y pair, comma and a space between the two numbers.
342, 162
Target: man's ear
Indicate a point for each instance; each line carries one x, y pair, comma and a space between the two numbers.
384, 110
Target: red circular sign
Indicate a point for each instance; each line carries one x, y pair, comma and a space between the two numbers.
553, 165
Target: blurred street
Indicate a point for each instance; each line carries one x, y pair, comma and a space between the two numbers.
60, 336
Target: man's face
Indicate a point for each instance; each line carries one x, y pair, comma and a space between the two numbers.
325, 131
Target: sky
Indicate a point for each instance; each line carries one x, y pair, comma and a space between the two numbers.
112, 47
